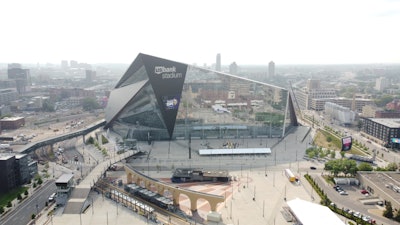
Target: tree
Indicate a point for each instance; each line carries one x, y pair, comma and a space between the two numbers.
359, 125
90, 104
397, 216
9, 204
391, 167
48, 106
346, 166
19, 197
333, 154
26, 193
388, 213
1, 210
365, 167
90, 140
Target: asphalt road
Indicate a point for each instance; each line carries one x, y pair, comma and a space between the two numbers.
32, 205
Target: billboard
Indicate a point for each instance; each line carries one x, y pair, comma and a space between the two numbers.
346, 143
395, 140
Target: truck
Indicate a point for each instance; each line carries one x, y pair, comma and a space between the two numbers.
290, 175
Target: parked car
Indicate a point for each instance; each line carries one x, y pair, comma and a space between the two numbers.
364, 192
313, 167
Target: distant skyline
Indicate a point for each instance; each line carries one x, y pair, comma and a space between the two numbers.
252, 32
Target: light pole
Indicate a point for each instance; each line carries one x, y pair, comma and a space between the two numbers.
263, 207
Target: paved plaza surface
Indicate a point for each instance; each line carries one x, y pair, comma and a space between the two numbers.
257, 195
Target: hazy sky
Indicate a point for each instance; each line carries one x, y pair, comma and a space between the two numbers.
244, 31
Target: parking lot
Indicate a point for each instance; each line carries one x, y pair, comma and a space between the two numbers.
354, 200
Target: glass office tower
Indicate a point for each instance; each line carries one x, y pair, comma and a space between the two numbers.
159, 99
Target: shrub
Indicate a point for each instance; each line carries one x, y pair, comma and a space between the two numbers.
104, 140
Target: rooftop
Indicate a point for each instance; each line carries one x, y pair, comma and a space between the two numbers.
65, 178
309, 213
388, 122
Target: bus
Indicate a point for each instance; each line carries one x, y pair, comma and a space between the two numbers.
290, 175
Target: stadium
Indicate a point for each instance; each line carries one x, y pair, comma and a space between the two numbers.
160, 99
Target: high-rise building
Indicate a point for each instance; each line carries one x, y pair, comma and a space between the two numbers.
233, 68
271, 69
64, 64
218, 63
381, 84
313, 84
90, 75
21, 76
73, 64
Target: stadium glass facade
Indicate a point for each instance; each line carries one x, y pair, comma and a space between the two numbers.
159, 99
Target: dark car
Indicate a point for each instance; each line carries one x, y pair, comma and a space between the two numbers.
313, 167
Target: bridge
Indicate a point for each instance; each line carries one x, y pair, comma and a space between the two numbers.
134, 176
52, 140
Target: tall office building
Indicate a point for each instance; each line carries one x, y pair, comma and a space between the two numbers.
271, 69
233, 68
73, 64
313, 84
64, 64
381, 84
218, 63
21, 76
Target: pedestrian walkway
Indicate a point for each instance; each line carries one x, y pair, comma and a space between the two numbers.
80, 193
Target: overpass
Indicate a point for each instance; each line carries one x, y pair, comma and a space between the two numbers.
52, 140
79, 197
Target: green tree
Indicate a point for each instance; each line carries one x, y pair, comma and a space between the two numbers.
328, 138
382, 101
365, 167
9, 204
26, 193
391, 167
1, 209
397, 216
40, 181
90, 140
346, 166
388, 213
90, 104
48, 106
19, 197
333, 154
359, 125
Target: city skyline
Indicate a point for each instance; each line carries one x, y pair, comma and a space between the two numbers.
248, 33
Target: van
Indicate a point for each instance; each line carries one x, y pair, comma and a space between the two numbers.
52, 197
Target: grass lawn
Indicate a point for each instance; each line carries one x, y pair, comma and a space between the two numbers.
7, 197
321, 137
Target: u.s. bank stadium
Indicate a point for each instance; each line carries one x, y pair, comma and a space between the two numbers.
160, 99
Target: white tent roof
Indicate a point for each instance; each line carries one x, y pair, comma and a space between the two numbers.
309, 213
234, 151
